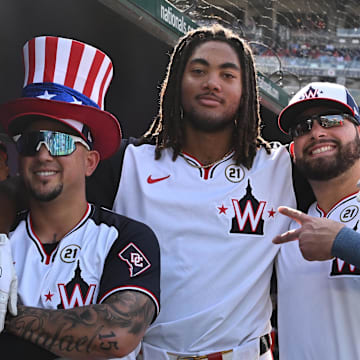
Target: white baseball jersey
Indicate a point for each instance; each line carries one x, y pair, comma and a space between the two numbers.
215, 228
318, 301
105, 253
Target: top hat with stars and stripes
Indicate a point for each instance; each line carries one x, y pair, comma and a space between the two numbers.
66, 80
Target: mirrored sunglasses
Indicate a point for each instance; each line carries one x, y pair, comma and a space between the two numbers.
57, 143
325, 121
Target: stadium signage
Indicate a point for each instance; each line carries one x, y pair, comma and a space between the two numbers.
167, 14
270, 89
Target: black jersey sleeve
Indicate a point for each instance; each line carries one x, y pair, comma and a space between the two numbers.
133, 262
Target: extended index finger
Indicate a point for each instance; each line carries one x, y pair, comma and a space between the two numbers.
294, 214
290, 235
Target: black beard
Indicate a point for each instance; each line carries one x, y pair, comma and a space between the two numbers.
206, 125
45, 197
326, 169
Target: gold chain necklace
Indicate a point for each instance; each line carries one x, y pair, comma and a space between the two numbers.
192, 163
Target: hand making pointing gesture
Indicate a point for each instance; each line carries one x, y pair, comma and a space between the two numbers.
315, 235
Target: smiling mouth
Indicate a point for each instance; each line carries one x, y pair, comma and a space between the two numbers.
45, 173
322, 149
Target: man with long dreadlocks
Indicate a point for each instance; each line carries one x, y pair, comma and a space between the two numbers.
209, 186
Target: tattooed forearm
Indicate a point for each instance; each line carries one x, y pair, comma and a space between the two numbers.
50, 330
132, 310
106, 330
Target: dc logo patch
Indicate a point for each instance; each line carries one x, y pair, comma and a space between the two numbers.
135, 259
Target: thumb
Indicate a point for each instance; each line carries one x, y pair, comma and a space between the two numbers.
12, 305
296, 215
3, 306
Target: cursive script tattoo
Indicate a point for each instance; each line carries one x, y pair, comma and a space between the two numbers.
97, 328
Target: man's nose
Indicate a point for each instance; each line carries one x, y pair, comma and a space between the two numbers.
212, 82
43, 153
317, 130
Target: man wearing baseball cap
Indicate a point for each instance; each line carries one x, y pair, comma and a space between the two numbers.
88, 279
318, 301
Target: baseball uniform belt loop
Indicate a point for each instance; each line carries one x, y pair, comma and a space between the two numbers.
265, 345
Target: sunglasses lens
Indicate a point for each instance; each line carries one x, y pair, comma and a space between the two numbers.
325, 121
328, 121
301, 128
27, 143
58, 144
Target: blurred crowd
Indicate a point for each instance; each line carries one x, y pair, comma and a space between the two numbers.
305, 50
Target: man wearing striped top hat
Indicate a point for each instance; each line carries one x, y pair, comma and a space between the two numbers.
88, 279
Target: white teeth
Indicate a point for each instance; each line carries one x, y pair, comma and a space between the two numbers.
45, 173
321, 150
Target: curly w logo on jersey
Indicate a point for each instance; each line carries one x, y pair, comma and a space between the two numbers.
248, 214
135, 259
341, 268
76, 293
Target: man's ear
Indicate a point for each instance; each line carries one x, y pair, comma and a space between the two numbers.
291, 150
92, 161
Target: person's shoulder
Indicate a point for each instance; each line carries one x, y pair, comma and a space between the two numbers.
102, 215
277, 146
20, 216
142, 148
276, 149
138, 155
275, 158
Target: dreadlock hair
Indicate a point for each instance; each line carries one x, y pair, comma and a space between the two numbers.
167, 129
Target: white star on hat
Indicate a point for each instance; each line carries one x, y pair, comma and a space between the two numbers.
76, 101
46, 96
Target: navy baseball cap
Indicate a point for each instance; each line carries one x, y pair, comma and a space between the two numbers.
318, 94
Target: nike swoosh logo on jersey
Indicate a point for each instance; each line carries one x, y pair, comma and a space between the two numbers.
150, 180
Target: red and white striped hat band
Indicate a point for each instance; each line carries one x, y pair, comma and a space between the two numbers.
66, 80
67, 62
